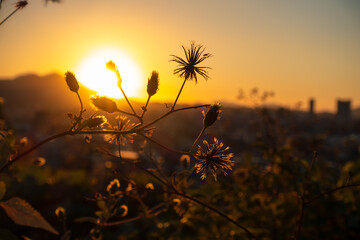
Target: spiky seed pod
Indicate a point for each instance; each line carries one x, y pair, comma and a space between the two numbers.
153, 83
212, 115
95, 121
71, 81
104, 104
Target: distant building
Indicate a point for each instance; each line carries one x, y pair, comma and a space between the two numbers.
344, 109
312, 106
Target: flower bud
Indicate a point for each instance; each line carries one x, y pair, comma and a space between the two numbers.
212, 115
60, 212
21, 4
153, 83
104, 104
111, 66
71, 81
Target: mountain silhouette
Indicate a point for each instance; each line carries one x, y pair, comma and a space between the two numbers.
28, 94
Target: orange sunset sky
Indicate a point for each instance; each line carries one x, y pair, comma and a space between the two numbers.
298, 49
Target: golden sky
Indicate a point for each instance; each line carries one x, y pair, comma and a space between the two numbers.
298, 49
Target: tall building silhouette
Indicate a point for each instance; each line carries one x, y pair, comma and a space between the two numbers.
312, 106
344, 109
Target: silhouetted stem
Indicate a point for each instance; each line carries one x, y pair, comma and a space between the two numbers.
132, 219
127, 100
9, 16
298, 233
78, 120
21, 155
182, 86
197, 139
331, 191
192, 199
302, 197
9, 163
173, 111
157, 143
81, 105
218, 212
145, 108
6, 143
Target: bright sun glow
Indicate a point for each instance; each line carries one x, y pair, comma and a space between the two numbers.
92, 73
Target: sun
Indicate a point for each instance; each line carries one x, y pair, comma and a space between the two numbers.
92, 73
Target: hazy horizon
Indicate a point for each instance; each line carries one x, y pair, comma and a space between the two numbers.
239, 103
299, 50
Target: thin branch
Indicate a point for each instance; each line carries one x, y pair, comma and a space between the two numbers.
161, 145
145, 108
331, 191
197, 139
9, 163
122, 221
127, 100
138, 166
218, 212
21, 155
9, 16
302, 197
302, 211
134, 218
173, 111
182, 86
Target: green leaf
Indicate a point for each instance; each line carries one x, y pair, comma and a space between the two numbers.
2, 189
7, 235
22, 213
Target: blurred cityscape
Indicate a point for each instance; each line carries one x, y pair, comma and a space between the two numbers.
37, 107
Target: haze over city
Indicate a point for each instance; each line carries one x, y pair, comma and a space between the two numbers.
297, 49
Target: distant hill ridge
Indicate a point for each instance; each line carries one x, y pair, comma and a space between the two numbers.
30, 93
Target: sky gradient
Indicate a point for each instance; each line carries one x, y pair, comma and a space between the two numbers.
298, 49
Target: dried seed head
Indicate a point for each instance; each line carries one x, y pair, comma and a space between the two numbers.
95, 121
21, 4
104, 104
212, 115
213, 159
71, 81
111, 66
153, 83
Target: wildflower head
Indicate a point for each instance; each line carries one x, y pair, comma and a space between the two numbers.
188, 68
21, 4
213, 159
71, 81
212, 115
104, 104
122, 124
153, 83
